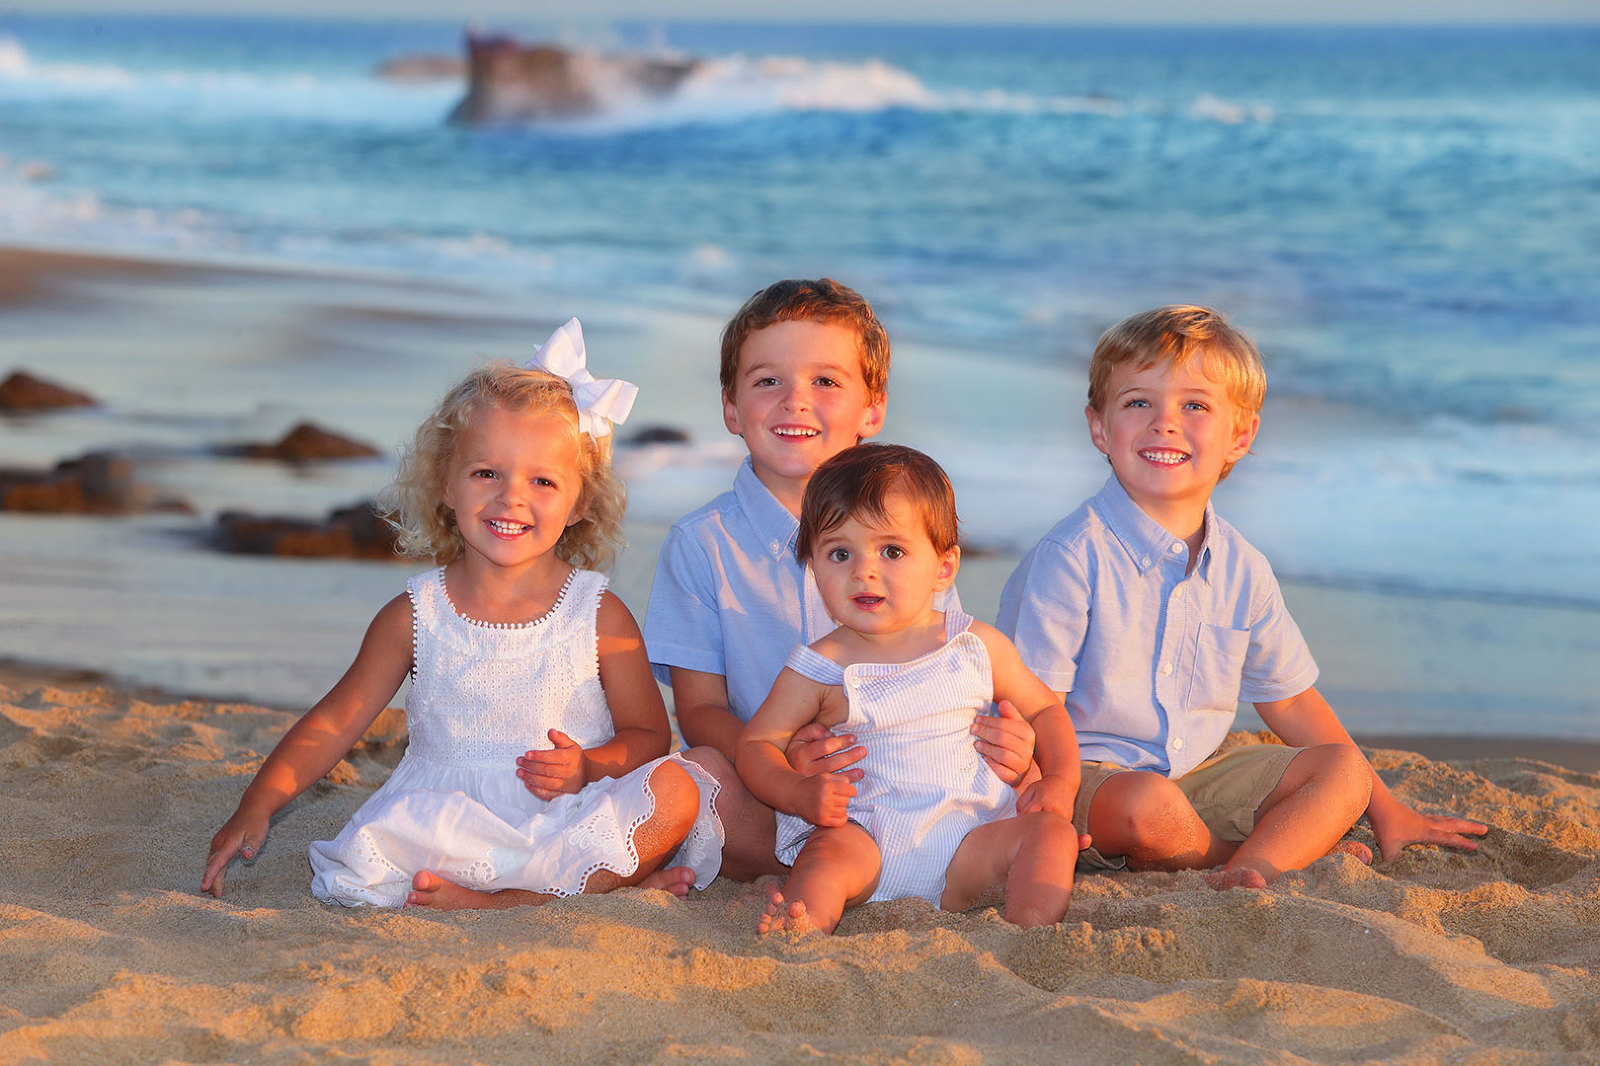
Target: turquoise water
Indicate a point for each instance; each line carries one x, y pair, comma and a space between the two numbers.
1407, 220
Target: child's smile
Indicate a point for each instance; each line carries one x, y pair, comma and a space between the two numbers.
798, 400
1170, 433
514, 483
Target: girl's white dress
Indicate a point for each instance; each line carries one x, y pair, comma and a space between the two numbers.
926, 787
481, 695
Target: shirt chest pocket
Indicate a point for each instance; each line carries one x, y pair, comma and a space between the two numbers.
1218, 668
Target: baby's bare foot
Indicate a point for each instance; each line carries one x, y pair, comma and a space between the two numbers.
777, 918
675, 879
1237, 877
1353, 847
431, 890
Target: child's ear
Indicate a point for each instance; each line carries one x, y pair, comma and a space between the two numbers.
1243, 439
872, 417
1097, 428
730, 414
949, 564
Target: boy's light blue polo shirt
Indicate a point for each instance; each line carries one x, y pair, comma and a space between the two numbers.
1154, 662
729, 597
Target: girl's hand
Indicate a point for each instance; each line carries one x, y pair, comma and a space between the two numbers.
1005, 740
548, 774
816, 749
242, 836
825, 799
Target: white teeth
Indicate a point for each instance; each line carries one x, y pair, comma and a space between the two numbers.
507, 527
1168, 458
787, 432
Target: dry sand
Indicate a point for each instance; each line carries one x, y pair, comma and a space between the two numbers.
111, 954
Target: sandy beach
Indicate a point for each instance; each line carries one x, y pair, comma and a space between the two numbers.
145, 678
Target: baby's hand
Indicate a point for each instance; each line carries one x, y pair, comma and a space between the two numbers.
1052, 793
1406, 826
548, 774
1005, 740
825, 798
816, 749
242, 836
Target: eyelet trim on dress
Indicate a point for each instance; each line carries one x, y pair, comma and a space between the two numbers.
561, 598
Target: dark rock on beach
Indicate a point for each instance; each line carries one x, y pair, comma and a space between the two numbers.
22, 391
355, 532
512, 82
96, 483
305, 443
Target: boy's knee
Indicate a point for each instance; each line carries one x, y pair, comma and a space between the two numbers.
1340, 770
712, 762
1145, 815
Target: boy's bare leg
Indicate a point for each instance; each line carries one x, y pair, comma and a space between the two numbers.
750, 825
1033, 855
837, 868
1146, 818
1321, 795
677, 805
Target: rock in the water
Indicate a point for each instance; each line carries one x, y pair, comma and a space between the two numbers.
348, 533
418, 68
510, 82
307, 442
96, 483
24, 392
659, 435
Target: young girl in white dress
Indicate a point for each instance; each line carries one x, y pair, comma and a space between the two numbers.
511, 644
922, 814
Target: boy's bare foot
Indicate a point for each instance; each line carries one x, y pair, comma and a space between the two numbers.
675, 879
1353, 847
779, 918
1234, 877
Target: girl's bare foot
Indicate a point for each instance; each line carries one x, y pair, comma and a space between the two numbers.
675, 879
428, 889
779, 918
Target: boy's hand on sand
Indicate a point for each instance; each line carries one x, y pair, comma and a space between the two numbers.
825, 798
548, 774
240, 837
816, 749
1403, 827
1005, 740
1051, 793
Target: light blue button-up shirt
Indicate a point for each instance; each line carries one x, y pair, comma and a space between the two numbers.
729, 597
1154, 661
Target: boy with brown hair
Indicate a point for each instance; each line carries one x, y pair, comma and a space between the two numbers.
804, 375
1152, 618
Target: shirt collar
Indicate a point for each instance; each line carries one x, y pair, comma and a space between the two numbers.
773, 523
1141, 536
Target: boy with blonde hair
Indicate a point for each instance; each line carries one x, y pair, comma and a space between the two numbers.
805, 375
1153, 618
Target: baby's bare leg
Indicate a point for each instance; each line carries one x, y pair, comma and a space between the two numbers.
1321, 795
837, 868
1032, 855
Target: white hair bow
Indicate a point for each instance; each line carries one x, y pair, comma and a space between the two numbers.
601, 401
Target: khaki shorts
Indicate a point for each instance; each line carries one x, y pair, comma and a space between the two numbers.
1225, 791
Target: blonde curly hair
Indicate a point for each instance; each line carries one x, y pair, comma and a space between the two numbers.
414, 504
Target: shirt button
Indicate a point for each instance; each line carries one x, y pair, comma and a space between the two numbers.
1177, 744
1177, 594
1177, 549
1166, 669
775, 547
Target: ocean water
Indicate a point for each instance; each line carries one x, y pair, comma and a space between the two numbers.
1407, 221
